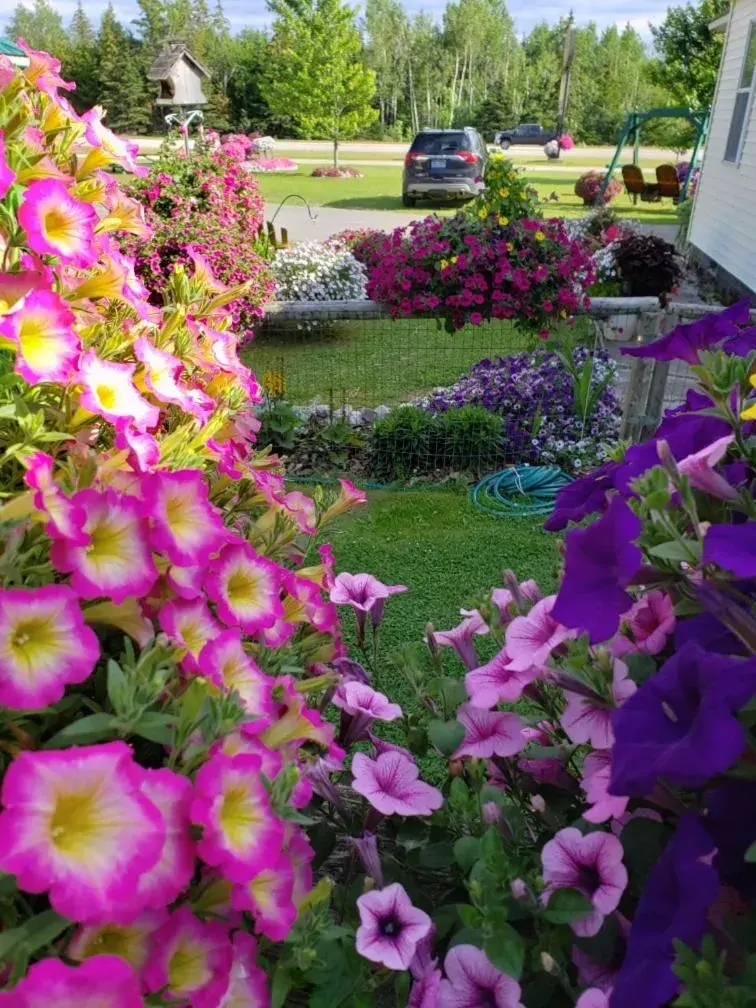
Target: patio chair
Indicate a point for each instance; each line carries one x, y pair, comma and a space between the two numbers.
668, 182
636, 185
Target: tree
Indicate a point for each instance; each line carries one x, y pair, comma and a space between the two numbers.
689, 53
82, 61
316, 72
123, 88
41, 26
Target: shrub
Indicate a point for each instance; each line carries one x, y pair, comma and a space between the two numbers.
468, 270
647, 265
206, 205
588, 188
318, 271
331, 172
507, 195
551, 413
410, 441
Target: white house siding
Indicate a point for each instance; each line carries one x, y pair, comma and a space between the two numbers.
723, 226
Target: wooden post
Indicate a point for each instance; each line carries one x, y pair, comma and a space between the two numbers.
634, 413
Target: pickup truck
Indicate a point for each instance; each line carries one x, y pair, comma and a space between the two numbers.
532, 134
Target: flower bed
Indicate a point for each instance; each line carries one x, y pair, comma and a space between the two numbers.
278, 164
332, 172
318, 271
588, 188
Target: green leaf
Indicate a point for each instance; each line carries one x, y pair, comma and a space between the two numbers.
468, 936
643, 841
156, 727
39, 931
9, 942
280, 986
750, 854
467, 852
8, 884
116, 686
470, 916
446, 918
506, 951
676, 550
459, 794
639, 666
412, 834
93, 728
446, 736
566, 906
437, 855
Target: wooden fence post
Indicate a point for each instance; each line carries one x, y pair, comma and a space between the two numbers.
634, 417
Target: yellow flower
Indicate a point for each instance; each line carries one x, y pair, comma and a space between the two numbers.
453, 259
273, 383
510, 247
752, 379
504, 192
539, 236
749, 413
444, 263
483, 213
503, 221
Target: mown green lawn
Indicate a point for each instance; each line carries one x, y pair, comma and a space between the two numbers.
380, 189
448, 554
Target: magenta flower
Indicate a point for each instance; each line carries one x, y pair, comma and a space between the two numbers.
461, 638
129, 941
190, 961
246, 588
497, 682
118, 150
40, 326
505, 601
591, 863
365, 594
356, 697
473, 982
390, 783
7, 175
44, 645
699, 468
43, 72
269, 897
57, 224
108, 390
586, 719
646, 627
597, 772
144, 451
103, 979
227, 665
190, 624
593, 998
390, 927
531, 639
248, 983
489, 733
65, 521
183, 523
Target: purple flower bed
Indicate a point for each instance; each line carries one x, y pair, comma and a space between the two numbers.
534, 394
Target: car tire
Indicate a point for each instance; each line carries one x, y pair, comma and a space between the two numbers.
505, 144
408, 201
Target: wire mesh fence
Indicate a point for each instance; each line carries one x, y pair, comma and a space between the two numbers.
351, 392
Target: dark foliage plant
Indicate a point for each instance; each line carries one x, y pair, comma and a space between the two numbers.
647, 265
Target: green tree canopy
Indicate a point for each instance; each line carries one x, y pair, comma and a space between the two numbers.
688, 52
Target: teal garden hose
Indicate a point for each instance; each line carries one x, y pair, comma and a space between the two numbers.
519, 491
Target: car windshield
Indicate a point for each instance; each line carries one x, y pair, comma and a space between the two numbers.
440, 143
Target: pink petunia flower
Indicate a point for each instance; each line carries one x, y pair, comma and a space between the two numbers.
108, 390
365, 594
461, 638
232, 805
161, 373
186, 581
699, 468
597, 772
101, 980
473, 982
131, 942
43, 72
350, 496
593, 998
7, 175
190, 624
143, 448
269, 897
40, 326
184, 525
497, 682
225, 663
646, 627
190, 959
65, 520
248, 983
590, 720
489, 733
76, 824
44, 645
533, 638
301, 856
116, 561
356, 697
302, 510
390, 783
57, 224
390, 927
591, 863
118, 150
245, 588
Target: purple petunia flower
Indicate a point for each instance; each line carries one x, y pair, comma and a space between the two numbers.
732, 547
686, 340
679, 890
390, 783
591, 863
600, 562
532, 638
681, 725
731, 822
367, 849
489, 733
589, 719
472, 982
365, 594
390, 927
582, 497
426, 976
593, 998
699, 468
497, 681
461, 638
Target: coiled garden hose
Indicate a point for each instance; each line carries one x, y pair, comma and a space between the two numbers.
519, 491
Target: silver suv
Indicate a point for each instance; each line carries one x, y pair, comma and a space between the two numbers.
444, 164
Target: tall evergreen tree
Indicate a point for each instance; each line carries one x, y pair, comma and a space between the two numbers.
82, 62
123, 87
41, 26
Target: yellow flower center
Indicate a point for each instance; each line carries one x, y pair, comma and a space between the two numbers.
105, 541
540, 236
32, 641
238, 815
241, 587
57, 225
187, 969
74, 826
111, 939
107, 396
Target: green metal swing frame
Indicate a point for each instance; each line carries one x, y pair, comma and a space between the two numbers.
631, 134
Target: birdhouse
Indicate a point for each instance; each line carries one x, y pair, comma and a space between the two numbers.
14, 53
179, 76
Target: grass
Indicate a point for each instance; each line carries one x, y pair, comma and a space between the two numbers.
369, 362
380, 189
449, 556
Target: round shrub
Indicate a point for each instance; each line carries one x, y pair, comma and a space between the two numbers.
588, 188
331, 172
318, 271
647, 265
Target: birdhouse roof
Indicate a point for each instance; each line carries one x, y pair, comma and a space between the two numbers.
8, 48
173, 52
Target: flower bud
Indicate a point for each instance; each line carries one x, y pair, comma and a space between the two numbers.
549, 964
520, 890
491, 813
538, 803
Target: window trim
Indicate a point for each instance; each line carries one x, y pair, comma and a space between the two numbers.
750, 91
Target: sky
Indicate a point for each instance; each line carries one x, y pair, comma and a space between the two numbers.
526, 13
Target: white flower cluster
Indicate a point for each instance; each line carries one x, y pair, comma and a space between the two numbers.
551, 150
263, 145
314, 271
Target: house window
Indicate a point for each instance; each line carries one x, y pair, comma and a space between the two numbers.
739, 121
